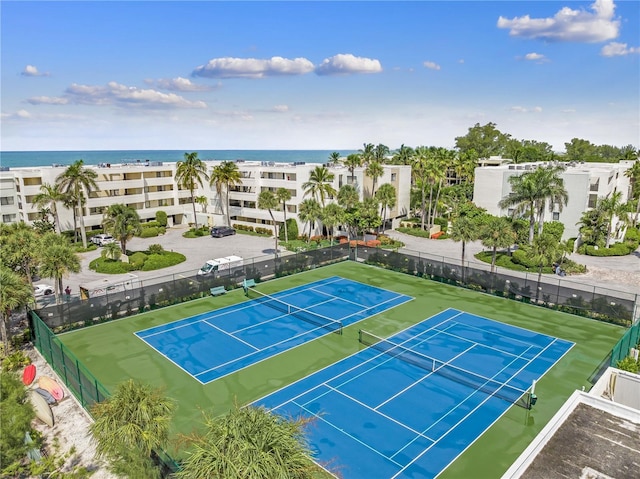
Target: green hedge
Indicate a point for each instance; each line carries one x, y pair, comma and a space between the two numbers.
138, 261
414, 232
617, 249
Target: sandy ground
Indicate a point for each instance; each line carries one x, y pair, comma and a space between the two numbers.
71, 426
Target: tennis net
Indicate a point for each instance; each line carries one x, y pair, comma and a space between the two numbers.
299, 313
476, 381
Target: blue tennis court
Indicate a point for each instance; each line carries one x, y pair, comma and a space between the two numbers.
409, 405
213, 344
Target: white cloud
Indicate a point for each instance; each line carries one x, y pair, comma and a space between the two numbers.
615, 49
229, 67
431, 65
32, 71
568, 25
281, 108
346, 63
180, 84
121, 95
48, 100
539, 57
522, 109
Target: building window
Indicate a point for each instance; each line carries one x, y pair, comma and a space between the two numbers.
556, 216
394, 176
593, 200
8, 218
6, 200
510, 212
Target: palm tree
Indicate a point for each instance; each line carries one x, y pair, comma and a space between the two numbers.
332, 215
58, 259
551, 188
334, 158
367, 153
386, 196
523, 197
190, 174
319, 185
283, 195
464, 229
248, 443
420, 174
268, 201
226, 174
545, 249
633, 174
612, 207
130, 424
380, 153
203, 201
123, 222
352, 162
374, 171
49, 197
78, 181
308, 212
348, 197
497, 232
15, 292
404, 155
111, 251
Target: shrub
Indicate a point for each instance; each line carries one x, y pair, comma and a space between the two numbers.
521, 257
442, 222
414, 232
109, 266
554, 228
618, 249
149, 232
156, 249
150, 224
161, 218
263, 231
137, 259
292, 229
164, 260
633, 234
629, 364
15, 361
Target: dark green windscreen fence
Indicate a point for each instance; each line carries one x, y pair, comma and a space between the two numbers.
630, 340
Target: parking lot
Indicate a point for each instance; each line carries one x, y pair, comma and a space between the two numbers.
197, 251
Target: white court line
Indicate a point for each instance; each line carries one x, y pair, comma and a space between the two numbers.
230, 335
471, 326
468, 414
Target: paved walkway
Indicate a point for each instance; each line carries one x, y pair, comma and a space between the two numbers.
620, 273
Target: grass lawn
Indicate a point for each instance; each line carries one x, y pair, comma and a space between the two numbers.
114, 354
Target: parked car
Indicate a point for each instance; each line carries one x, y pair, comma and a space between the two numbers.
220, 231
102, 239
43, 290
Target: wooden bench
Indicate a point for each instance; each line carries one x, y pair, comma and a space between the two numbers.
246, 284
218, 290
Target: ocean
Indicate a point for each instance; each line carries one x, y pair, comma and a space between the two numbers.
13, 159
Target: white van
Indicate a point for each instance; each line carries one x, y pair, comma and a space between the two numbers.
219, 265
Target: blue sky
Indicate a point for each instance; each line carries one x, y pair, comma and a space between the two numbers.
316, 75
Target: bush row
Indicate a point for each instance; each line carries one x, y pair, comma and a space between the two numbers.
617, 249
251, 229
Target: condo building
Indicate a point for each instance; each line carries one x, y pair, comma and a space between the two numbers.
585, 184
149, 187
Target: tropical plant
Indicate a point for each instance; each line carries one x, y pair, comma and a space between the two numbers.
364, 217
486, 140
49, 197
524, 198
348, 197
386, 196
226, 174
334, 158
309, 212
497, 232
203, 201
351, 162
14, 293
380, 153
20, 249
550, 189
268, 201
464, 229
403, 156
189, 174
130, 424
374, 170
332, 216
248, 443
367, 153
78, 181
420, 177
594, 225
283, 195
633, 174
123, 222
612, 207
57, 260
319, 184
16, 414
111, 251
544, 250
